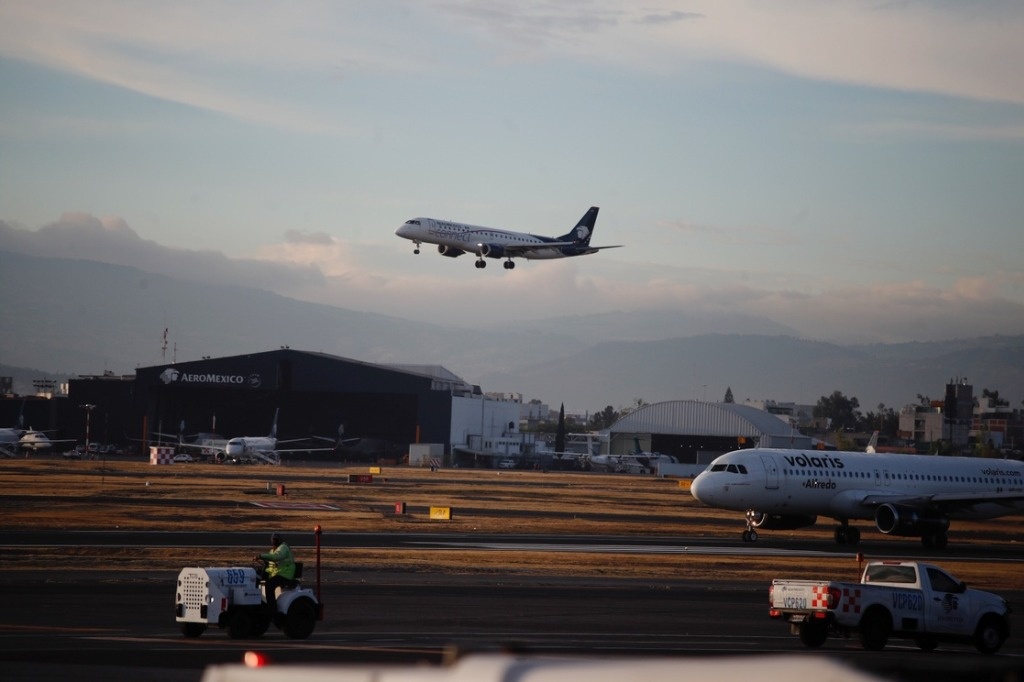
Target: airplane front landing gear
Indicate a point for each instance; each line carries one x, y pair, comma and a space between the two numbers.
750, 535
416, 249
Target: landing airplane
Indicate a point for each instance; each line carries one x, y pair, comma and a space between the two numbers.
454, 239
905, 495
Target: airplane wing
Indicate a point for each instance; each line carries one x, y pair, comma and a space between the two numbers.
305, 450
945, 501
520, 249
201, 448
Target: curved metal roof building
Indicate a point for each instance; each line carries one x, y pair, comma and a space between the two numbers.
691, 429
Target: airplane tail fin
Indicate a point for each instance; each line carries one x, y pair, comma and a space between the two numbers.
584, 228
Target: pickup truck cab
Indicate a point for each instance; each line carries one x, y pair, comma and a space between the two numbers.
907, 599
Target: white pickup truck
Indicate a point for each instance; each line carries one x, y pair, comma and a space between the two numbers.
906, 599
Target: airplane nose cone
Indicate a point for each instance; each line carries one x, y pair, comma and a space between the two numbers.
699, 488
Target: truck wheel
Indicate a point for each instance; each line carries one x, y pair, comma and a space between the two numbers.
875, 628
813, 634
193, 629
990, 635
301, 619
240, 625
259, 626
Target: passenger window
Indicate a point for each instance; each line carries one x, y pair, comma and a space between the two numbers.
942, 582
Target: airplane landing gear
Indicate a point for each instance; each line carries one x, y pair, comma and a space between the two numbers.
935, 540
481, 263
750, 535
509, 264
845, 534
416, 248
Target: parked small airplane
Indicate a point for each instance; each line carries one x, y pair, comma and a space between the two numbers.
10, 437
38, 440
638, 461
262, 449
454, 239
907, 495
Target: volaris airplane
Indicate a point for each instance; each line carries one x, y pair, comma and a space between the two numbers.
909, 495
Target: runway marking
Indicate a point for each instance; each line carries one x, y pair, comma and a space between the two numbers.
630, 549
315, 506
53, 628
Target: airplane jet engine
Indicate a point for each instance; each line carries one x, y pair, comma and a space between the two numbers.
893, 519
449, 251
492, 250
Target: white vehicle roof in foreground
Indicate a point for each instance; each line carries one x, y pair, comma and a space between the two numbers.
496, 667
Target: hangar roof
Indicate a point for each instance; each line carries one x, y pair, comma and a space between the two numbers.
696, 418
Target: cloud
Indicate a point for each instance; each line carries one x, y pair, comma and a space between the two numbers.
392, 281
78, 235
299, 237
212, 56
668, 18
220, 56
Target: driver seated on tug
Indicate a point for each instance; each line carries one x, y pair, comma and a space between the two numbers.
278, 569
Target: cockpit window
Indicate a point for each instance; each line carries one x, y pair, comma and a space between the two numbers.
412, 222
731, 468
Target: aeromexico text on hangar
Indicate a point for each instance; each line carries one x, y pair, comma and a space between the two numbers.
174, 376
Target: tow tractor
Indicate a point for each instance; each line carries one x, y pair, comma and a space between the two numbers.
233, 598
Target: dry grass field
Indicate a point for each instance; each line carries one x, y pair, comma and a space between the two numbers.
37, 494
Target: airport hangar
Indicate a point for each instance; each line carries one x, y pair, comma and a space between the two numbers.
696, 432
387, 408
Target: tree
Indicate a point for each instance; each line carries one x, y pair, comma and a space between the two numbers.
604, 419
728, 395
993, 398
840, 410
560, 433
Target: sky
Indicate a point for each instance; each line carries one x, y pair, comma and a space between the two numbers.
854, 170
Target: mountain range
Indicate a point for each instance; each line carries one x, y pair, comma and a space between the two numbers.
63, 316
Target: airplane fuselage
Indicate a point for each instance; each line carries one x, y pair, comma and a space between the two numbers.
903, 494
35, 440
482, 241
247, 445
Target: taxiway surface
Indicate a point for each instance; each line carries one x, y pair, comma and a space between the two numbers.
120, 626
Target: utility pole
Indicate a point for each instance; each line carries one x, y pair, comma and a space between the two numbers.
88, 414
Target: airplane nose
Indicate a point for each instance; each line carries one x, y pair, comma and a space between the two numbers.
699, 488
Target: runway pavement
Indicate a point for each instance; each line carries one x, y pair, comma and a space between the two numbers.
57, 625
